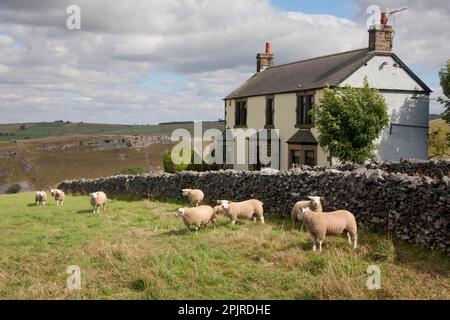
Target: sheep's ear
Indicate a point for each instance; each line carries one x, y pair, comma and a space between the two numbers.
309, 197
218, 201
322, 199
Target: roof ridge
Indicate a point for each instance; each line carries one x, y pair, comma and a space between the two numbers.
315, 58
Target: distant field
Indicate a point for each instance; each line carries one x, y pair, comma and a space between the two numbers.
38, 168
51, 129
139, 250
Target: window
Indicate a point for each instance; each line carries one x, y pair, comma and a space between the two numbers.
295, 157
270, 109
304, 105
240, 113
309, 158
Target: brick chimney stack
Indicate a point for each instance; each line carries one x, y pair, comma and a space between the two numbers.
381, 35
264, 60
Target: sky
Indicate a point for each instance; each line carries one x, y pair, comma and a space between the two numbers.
150, 61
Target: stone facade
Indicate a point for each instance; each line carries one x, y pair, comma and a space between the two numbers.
383, 196
380, 38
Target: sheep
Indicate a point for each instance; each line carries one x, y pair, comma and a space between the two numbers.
197, 216
314, 203
320, 224
58, 195
242, 210
195, 196
40, 198
98, 199
218, 210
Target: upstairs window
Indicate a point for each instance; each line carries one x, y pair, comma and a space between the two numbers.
270, 109
240, 114
304, 105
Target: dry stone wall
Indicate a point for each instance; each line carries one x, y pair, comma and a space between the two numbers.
414, 207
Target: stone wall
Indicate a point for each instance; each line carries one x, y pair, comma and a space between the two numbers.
415, 208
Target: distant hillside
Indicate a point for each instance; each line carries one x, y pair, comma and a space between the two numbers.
25, 131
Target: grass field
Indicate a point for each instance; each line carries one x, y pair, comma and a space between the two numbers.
435, 124
139, 250
56, 129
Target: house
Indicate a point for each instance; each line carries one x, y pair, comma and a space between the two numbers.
280, 97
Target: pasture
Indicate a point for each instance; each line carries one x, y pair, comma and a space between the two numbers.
137, 249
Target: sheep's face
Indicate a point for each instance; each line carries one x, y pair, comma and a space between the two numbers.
185, 192
315, 202
93, 195
53, 192
301, 214
180, 212
225, 204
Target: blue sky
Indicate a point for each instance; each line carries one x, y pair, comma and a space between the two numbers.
339, 8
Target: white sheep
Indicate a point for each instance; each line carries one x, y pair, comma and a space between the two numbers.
40, 198
320, 224
98, 199
218, 210
195, 196
197, 216
242, 210
58, 195
314, 203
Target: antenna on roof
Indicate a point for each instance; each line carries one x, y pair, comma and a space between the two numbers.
387, 13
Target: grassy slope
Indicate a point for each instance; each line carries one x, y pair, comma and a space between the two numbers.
51, 129
137, 249
434, 125
43, 169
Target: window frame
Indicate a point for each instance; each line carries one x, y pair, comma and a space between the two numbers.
240, 113
305, 103
271, 112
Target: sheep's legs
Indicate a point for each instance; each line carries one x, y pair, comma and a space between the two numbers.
314, 245
355, 241
261, 219
320, 246
349, 238
233, 222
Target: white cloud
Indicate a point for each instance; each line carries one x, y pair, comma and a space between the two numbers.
51, 73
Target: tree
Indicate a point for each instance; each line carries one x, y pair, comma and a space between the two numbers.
349, 120
444, 76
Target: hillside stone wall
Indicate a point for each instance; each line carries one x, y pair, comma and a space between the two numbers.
415, 208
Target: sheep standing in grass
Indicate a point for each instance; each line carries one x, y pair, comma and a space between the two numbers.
40, 198
314, 203
58, 195
218, 210
320, 224
197, 216
195, 196
242, 210
98, 199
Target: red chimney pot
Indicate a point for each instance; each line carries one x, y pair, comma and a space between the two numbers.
267, 48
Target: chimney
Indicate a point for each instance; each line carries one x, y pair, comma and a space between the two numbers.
381, 35
264, 60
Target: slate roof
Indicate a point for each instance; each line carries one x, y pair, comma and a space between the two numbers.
312, 73
302, 136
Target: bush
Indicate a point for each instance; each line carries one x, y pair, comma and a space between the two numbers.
133, 171
384, 251
171, 167
14, 188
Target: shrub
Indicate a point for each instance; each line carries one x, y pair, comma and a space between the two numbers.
133, 171
14, 188
384, 251
171, 167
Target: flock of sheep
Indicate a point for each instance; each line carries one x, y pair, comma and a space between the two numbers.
318, 223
